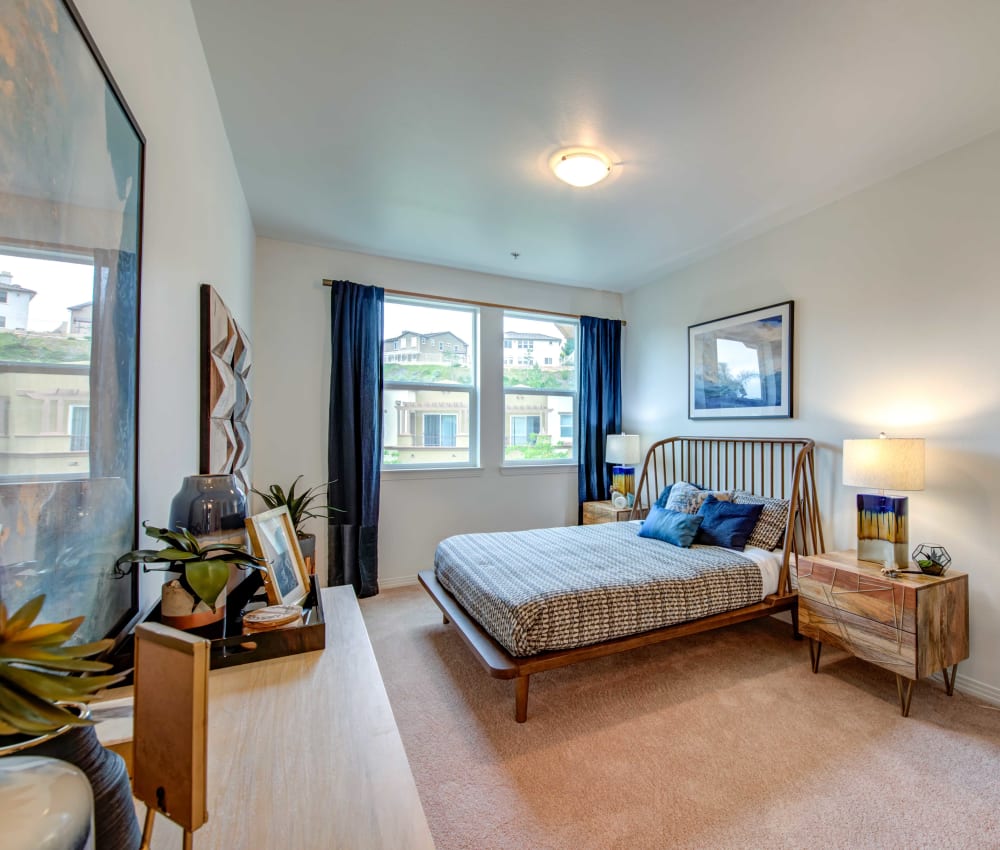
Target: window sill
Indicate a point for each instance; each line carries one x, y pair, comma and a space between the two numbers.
430, 472
538, 469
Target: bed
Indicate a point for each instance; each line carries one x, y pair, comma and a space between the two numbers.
530, 601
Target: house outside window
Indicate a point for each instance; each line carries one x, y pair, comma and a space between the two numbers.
540, 389
431, 400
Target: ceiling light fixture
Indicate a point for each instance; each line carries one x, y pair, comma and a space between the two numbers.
580, 167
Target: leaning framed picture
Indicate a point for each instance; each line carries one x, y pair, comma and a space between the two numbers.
740, 366
272, 538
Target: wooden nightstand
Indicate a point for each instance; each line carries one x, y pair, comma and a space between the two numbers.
598, 512
912, 625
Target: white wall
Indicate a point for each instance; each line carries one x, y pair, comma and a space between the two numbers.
196, 229
291, 339
897, 300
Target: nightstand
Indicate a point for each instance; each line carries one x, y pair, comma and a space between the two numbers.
912, 625
598, 512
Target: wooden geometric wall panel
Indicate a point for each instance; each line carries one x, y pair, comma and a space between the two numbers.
225, 395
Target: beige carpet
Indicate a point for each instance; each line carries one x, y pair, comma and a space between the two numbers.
721, 740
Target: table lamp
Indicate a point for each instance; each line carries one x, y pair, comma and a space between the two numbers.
623, 451
885, 464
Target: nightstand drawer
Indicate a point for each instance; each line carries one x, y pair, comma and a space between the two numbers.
883, 601
893, 649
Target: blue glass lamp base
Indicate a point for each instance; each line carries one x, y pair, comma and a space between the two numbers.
883, 529
623, 479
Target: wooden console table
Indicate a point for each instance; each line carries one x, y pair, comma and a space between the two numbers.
303, 752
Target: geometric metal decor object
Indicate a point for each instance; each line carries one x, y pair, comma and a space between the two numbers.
225, 396
932, 558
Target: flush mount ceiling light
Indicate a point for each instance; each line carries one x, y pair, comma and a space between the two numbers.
580, 167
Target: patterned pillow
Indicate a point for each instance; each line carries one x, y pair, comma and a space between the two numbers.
687, 498
770, 528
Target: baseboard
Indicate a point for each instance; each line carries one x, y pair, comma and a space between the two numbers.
973, 687
398, 581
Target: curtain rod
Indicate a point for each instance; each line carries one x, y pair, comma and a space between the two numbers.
328, 282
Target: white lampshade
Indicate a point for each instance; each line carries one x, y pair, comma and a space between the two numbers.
885, 463
622, 449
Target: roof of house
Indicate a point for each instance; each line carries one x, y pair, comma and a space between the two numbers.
426, 336
521, 335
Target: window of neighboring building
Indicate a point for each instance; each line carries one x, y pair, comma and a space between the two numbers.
79, 428
540, 401
3, 296
430, 401
3, 321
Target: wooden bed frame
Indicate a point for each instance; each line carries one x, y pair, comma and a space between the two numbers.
775, 468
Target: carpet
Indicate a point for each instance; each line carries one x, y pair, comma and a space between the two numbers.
719, 740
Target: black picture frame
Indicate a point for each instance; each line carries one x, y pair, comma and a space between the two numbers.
740, 366
72, 168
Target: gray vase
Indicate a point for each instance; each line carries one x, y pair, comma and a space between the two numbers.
212, 506
115, 824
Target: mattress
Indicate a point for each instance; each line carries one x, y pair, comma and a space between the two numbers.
561, 588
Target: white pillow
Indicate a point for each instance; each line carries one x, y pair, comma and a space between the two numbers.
687, 498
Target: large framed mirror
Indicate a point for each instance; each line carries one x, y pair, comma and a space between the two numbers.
71, 179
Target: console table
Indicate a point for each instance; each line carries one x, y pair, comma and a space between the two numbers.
303, 752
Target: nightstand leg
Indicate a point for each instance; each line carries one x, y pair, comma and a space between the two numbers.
949, 681
815, 648
444, 619
904, 701
795, 623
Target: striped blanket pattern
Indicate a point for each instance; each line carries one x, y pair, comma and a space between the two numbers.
559, 588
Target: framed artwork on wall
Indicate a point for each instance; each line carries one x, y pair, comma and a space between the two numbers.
740, 366
71, 191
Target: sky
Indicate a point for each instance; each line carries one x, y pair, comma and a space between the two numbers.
59, 286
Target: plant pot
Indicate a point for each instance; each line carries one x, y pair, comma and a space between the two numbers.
307, 545
116, 826
178, 608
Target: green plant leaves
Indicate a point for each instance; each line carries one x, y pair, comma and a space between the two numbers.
37, 671
207, 578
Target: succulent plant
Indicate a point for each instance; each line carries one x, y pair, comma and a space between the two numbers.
203, 570
299, 505
38, 671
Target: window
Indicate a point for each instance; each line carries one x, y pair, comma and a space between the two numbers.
524, 430
431, 400
79, 428
3, 296
439, 429
566, 425
3, 321
540, 392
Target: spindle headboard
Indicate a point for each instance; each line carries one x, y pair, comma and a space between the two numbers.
774, 468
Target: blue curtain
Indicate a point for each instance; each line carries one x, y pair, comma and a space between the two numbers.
355, 435
599, 361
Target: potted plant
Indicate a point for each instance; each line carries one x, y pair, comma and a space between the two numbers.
196, 597
44, 685
301, 506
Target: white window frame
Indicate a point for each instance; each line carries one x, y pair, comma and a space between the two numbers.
527, 362
472, 390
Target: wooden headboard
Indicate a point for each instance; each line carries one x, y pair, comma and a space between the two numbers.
780, 468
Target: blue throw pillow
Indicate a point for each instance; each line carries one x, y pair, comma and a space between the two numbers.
726, 524
670, 526
661, 502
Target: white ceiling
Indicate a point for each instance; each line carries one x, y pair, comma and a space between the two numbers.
421, 129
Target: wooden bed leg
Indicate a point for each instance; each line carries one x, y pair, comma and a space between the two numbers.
795, 623
521, 698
